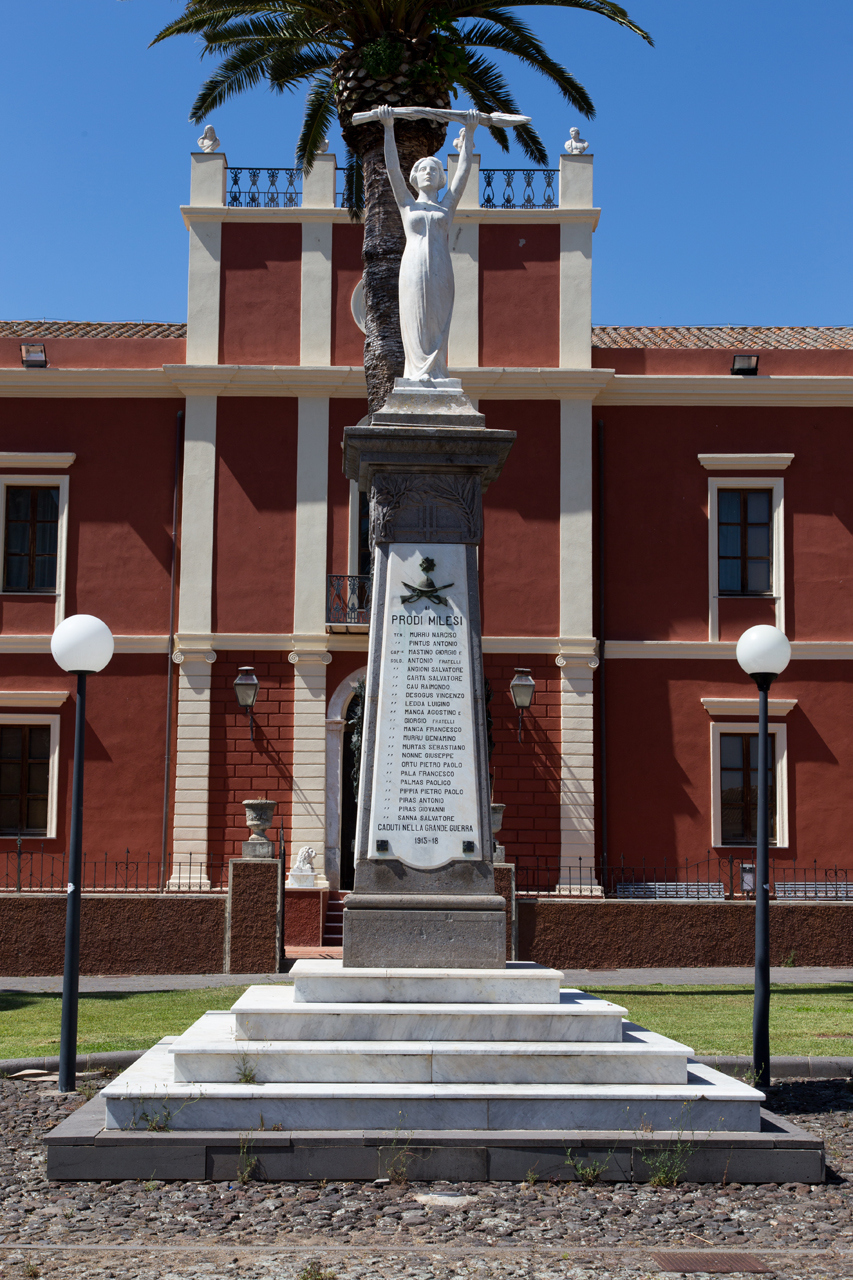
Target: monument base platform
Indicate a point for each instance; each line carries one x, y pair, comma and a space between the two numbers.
81, 1148
433, 1073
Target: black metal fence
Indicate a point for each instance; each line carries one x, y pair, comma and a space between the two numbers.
34, 870
547, 879
727, 877
348, 599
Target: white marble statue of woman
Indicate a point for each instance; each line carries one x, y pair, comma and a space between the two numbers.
426, 272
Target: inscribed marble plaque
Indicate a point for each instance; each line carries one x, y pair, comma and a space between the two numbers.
424, 808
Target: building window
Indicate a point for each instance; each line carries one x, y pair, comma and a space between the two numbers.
734, 784
744, 531
32, 538
739, 787
24, 779
746, 547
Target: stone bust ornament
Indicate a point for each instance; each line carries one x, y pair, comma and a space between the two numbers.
576, 145
208, 141
426, 271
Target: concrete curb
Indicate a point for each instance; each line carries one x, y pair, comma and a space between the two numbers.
814, 1068
810, 1068
85, 1062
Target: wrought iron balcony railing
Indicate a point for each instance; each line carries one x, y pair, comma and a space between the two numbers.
518, 189
263, 188
348, 599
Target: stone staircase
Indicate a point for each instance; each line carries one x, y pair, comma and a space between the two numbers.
333, 925
425, 1050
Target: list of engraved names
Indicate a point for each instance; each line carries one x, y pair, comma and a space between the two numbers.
424, 802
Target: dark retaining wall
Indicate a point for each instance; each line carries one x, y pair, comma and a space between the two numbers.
163, 933
638, 935
173, 933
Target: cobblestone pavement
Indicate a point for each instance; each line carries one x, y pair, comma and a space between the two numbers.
354, 1231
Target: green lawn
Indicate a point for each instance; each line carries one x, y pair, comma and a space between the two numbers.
29, 1024
803, 1020
808, 1019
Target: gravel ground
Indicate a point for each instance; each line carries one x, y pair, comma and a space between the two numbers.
417, 1232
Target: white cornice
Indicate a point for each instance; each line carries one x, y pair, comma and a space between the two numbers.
746, 706
32, 697
37, 461
601, 386
571, 646
745, 461
123, 644
219, 213
802, 650
631, 389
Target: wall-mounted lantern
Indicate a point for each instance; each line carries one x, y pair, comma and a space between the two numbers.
246, 688
522, 688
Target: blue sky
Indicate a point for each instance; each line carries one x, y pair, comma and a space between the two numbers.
722, 157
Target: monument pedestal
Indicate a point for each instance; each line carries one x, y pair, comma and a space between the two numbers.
424, 892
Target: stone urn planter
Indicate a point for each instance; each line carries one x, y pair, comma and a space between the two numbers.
497, 817
259, 815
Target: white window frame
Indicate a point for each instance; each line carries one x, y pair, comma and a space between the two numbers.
780, 732
777, 486
49, 482
53, 766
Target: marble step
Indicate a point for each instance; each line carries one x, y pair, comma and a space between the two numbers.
272, 1013
521, 982
209, 1052
146, 1093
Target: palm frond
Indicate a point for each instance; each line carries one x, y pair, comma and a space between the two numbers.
604, 8
489, 91
525, 46
319, 115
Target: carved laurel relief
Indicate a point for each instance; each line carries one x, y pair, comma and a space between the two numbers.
395, 495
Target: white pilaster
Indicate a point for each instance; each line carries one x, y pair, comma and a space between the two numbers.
312, 482
576, 263
577, 787
192, 755
315, 334
308, 822
575, 519
207, 187
464, 345
192, 771
318, 186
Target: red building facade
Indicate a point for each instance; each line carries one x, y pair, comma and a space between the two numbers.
654, 505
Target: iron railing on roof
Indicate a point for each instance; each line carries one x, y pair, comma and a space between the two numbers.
264, 188
518, 189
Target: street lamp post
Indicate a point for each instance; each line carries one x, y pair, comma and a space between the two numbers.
763, 652
81, 645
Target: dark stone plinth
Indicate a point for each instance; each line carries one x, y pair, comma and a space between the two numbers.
429, 937
253, 916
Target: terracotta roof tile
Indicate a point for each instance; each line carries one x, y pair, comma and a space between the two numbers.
40, 330
725, 338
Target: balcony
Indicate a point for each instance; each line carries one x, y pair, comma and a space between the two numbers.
348, 599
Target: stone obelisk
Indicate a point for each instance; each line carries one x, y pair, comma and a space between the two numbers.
424, 894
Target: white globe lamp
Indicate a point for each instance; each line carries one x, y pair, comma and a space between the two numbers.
763, 650
82, 644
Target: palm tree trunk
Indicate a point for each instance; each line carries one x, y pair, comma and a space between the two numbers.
384, 241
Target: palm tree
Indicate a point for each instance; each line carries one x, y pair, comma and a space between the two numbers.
357, 54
